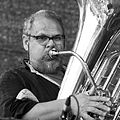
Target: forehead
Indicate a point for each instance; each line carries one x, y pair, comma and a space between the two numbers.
44, 25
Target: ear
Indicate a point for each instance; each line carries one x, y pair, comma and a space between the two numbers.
25, 42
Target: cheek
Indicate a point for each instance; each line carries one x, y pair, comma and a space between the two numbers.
36, 51
60, 46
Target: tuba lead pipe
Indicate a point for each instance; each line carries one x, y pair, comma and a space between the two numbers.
84, 64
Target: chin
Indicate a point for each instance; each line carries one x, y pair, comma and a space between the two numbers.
50, 67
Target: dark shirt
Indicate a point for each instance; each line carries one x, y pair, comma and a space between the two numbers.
13, 81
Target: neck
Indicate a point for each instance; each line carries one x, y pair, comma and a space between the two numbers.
57, 77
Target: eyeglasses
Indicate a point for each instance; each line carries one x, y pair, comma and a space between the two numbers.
45, 39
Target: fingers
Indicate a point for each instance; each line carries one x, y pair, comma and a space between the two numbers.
85, 114
93, 104
96, 108
100, 105
99, 98
87, 117
93, 110
96, 111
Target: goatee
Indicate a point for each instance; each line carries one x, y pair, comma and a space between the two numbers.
49, 67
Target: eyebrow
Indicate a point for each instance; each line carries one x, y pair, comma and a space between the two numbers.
50, 36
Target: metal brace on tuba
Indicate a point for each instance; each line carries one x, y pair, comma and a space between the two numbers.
94, 63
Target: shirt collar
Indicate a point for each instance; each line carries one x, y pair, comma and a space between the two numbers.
43, 75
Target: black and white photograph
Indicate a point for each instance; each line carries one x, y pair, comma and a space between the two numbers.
59, 60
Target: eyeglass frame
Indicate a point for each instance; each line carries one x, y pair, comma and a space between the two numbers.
47, 38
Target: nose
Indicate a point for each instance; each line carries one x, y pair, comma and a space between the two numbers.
50, 44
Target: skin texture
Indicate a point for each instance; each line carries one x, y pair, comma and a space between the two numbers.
38, 53
40, 60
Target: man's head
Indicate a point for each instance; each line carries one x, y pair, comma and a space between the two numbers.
42, 32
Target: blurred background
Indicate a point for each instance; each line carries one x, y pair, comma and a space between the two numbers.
12, 14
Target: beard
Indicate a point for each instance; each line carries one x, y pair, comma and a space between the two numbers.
47, 65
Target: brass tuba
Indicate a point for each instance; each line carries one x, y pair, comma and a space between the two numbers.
94, 64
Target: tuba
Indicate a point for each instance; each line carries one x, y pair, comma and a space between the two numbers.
94, 63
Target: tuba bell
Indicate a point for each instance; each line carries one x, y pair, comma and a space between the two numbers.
95, 58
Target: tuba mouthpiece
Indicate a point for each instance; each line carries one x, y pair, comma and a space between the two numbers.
53, 52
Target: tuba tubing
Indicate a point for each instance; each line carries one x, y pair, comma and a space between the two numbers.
85, 45
83, 63
92, 53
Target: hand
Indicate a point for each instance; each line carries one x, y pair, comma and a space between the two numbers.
90, 104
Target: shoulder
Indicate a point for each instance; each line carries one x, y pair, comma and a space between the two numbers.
14, 72
12, 77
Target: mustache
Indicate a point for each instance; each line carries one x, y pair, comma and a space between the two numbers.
47, 57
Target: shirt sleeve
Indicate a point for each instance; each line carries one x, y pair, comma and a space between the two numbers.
20, 107
10, 85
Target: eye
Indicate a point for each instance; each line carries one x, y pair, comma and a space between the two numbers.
42, 38
59, 38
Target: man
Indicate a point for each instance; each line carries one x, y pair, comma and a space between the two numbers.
30, 92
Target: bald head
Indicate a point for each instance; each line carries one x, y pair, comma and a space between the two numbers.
29, 22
